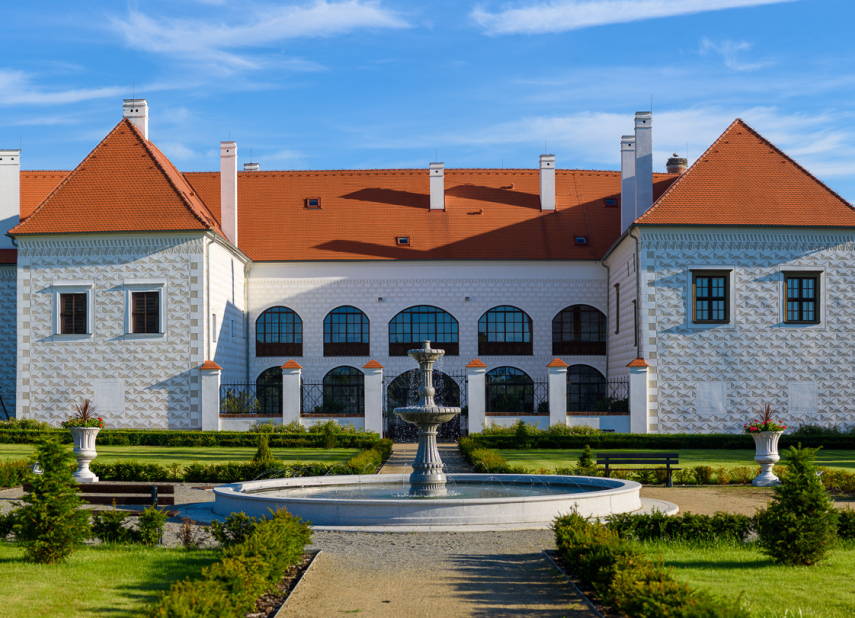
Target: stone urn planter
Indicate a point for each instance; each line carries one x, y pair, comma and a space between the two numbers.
766, 454
84, 451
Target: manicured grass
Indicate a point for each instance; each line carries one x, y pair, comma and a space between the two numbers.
95, 581
166, 455
821, 591
555, 458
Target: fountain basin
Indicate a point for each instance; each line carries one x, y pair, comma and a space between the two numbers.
597, 497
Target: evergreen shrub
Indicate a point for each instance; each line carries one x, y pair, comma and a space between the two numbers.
150, 526
703, 474
688, 527
13, 472
800, 524
109, 527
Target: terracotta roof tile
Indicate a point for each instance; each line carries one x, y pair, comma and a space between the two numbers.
475, 363
558, 363
124, 184
209, 365
36, 186
638, 362
742, 179
372, 364
292, 364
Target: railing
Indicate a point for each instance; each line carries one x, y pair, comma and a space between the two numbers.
332, 399
400, 431
608, 396
523, 396
250, 399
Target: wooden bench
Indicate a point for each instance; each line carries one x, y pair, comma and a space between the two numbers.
622, 459
124, 495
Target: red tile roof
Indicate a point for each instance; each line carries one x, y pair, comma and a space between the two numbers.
209, 365
475, 363
124, 184
489, 214
292, 364
638, 362
372, 364
742, 179
558, 363
36, 186
8, 256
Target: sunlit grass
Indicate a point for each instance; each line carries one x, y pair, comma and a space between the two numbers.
95, 581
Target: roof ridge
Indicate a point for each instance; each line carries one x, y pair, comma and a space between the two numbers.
532, 170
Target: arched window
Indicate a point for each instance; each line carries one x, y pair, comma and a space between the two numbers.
580, 329
404, 390
344, 391
268, 390
585, 388
346, 332
504, 330
509, 390
409, 328
279, 332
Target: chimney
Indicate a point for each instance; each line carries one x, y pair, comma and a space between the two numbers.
136, 110
228, 190
677, 164
547, 182
437, 186
251, 167
627, 181
10, 194
643, 162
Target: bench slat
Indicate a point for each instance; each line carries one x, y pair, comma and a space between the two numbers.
103, 488
129, 500
637, 461
639, 469
638, 454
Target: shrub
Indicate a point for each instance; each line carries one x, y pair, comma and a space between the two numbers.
239, 403
7, 521
263, 456
235, 529
645, 477
703, 474
150, 526
684, 476
13, 472
722, 476
130, 471
27, 424
109, 526
586, 459
189, 535
845, 525
572, 430
48, 524
799, 526
522, 435
370, 461
195, 599
742, 475
655, 526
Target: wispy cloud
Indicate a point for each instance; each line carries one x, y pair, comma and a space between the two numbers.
18, 89
232, 44
729, 50
564, 15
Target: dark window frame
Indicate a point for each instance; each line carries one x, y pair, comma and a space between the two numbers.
354, 343
73, 313
268, 391
267, 329
144, 317
346, 380
502, 347
504, 383
572, 322
315, 206
585, 387
399, 328
710, 298
800, 301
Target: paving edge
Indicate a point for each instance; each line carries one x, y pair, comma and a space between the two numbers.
581, 594
202, 512
315, 553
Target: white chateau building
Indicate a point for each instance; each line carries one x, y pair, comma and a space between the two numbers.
698, 294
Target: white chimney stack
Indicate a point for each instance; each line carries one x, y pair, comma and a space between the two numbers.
437, 186
228, 191
136, 110
643, 162
627, 181
251, 167
10, 194
547, 182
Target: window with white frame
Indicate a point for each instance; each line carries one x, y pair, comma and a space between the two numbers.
144, 303
73, 308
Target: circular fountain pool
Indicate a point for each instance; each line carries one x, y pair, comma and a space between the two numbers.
471, 499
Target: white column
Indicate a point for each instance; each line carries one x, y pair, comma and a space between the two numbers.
638, 399
373, 396
211, 372
557, 392
476, 395
10, 194
292, 374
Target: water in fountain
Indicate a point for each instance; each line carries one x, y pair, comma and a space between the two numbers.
428, 478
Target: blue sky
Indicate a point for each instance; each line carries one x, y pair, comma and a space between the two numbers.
334, 84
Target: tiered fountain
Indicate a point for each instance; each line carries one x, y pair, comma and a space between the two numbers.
428, 498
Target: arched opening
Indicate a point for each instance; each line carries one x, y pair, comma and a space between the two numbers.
344, 392
580, 329
279, 332
346, 332
404, 391
505, 330
586, 388
509, 390
411, 326
268, 390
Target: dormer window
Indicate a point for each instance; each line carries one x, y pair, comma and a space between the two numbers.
581, 240
610, 201
313, 202
404, 241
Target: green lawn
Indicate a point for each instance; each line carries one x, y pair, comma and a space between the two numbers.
556, 458
95, 581
166, 455
821, 591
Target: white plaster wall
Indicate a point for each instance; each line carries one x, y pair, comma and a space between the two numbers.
313, 289
8, 338
228, 302
159, 376
756, 357
622, 271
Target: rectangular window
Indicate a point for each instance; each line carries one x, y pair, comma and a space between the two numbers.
710, 297
617, 308
145, 312
802, 298
72, 314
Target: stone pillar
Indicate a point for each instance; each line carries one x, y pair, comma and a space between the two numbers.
476, 395
292, 392
373, 396
557, 392
638, 399
211, 372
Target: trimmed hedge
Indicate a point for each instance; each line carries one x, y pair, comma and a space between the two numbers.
683, 527
13, 472
229, 588
170, 437
676, 441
